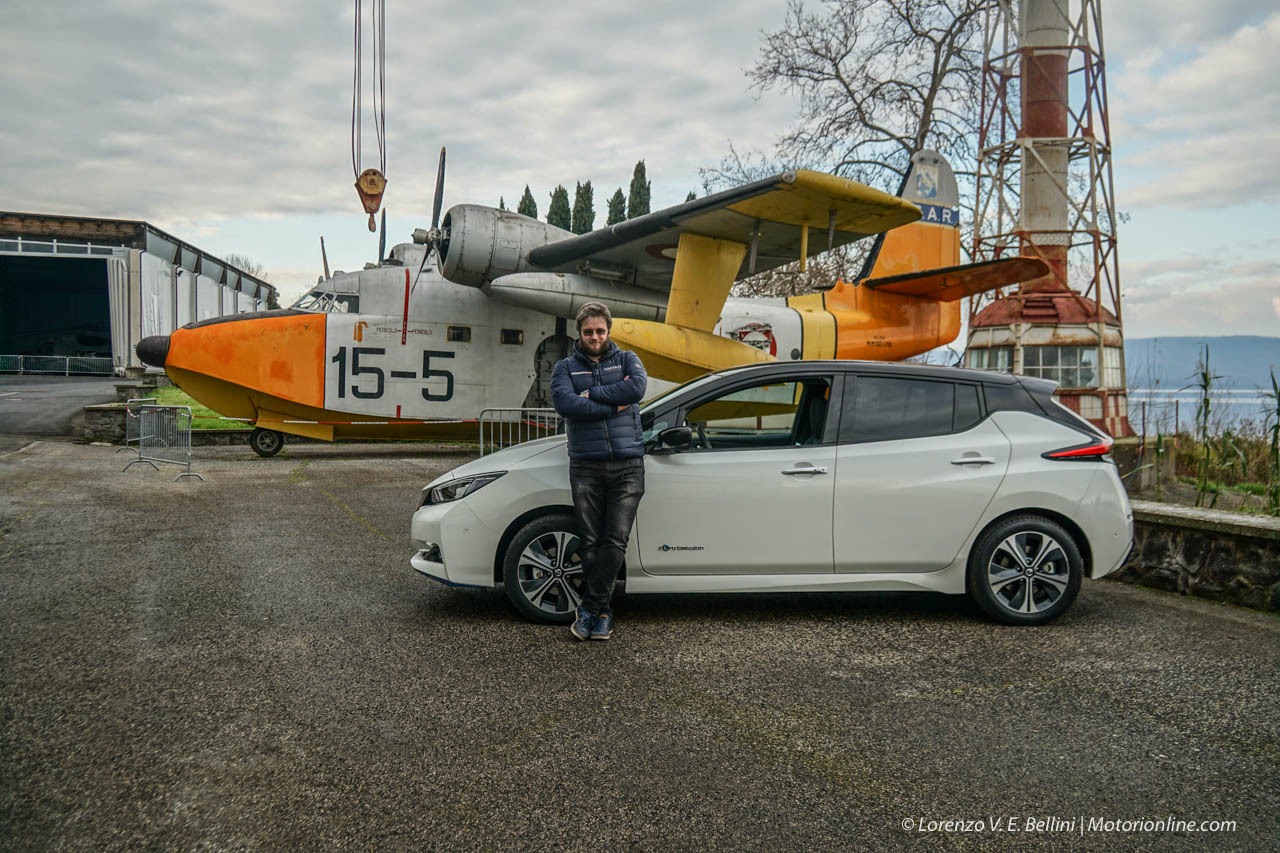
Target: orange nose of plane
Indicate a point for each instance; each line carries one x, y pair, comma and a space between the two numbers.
153, 350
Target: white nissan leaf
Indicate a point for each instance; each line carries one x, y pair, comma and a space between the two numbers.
811, 476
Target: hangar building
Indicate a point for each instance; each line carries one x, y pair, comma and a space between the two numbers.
78, 293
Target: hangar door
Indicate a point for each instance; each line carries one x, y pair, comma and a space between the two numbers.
54, 306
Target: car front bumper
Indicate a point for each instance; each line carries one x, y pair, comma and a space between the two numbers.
466, 559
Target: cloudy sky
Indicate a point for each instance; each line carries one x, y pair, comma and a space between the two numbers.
228, 124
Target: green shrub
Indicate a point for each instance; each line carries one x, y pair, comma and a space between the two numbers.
202, 417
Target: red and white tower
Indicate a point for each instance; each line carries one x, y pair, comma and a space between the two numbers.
1045, 190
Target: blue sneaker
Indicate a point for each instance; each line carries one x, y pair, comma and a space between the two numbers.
584, 626
603, 628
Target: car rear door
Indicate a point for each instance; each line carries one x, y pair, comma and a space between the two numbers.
916, 469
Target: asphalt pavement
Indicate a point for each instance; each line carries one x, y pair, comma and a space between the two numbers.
248, 662
48, 406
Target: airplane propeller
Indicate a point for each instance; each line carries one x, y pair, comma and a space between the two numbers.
439, 200
434, 237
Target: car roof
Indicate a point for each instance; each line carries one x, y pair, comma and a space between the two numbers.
924, 371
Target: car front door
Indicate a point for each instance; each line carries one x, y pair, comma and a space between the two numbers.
753, 495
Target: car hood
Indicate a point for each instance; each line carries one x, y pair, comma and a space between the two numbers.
503, 460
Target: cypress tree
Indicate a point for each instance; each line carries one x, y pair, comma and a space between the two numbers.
528, 207
617, 207
502, 203
638, 199
691, 196
584, 209
558, 213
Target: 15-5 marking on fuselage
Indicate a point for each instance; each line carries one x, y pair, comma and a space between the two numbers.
370, 371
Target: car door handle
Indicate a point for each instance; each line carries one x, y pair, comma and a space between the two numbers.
809, 469
974, 460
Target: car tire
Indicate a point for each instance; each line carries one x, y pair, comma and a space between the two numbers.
1025, 570
266, 442
542, 571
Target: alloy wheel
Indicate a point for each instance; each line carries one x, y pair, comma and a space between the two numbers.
549, 573
1028, 572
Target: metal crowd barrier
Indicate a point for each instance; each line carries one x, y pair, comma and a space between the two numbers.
57, 365
164, 436
133, 422
501, 428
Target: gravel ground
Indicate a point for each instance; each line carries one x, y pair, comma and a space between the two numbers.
249, 663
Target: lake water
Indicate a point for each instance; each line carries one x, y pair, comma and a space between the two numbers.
1168, 411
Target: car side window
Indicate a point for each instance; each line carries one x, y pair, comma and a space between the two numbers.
782, 413
887, 408
652, 424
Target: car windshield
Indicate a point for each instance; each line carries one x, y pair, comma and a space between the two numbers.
649, 424
652, 403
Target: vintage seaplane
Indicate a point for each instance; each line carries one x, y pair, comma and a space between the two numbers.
474, 313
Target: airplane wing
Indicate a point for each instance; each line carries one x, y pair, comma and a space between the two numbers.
695, 251
953, 283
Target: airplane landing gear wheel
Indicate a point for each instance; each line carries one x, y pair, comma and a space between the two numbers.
266, 442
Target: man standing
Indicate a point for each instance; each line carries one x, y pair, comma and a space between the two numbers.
596, 390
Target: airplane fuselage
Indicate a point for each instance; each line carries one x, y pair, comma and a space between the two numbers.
428, 357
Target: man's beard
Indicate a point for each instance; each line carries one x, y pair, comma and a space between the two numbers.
593, 346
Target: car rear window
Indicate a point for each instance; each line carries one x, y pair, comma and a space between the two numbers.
1009, 398
968, 411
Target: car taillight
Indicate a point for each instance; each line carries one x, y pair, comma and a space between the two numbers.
1098, 448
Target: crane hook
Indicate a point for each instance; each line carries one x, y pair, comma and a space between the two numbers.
370, 186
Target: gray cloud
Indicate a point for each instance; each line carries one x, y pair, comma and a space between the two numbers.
1200, 295
1142, 31
1201, 132
168, 113
210, 109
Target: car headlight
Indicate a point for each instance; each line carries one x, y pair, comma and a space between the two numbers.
456, 489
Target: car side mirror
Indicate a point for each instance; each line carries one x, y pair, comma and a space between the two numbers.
673, 439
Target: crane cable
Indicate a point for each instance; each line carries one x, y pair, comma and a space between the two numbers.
370, 183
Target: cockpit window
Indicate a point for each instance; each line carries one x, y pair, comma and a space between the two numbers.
329, 302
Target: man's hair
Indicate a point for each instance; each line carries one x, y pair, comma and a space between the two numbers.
594, 309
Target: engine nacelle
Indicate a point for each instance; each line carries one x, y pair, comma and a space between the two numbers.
485, 243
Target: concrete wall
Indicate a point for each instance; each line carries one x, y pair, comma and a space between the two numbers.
1224, 556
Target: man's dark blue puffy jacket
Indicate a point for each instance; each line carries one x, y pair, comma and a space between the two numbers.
597, 430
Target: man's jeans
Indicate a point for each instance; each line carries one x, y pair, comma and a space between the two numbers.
606, 495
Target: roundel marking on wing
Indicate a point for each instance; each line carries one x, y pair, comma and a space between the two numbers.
662, 251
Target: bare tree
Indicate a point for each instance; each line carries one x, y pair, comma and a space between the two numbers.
248, 266
822, 271
877, 80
